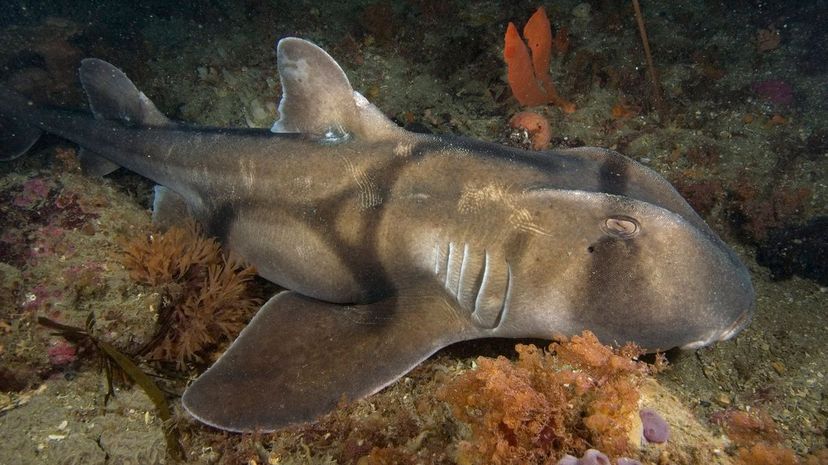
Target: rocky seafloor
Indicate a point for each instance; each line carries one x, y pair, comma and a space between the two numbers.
742, 134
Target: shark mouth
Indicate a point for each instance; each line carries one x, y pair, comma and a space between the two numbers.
716, 336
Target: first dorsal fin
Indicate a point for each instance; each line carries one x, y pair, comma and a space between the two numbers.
318, 100
317, 97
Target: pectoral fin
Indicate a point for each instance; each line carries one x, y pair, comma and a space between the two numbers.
299, 356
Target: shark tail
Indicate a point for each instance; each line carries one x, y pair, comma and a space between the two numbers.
113, 96
17, 133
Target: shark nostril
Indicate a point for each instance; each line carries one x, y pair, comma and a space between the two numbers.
622, 227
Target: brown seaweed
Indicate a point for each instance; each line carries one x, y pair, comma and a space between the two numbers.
207, 297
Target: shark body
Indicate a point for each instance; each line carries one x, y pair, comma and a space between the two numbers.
394, 244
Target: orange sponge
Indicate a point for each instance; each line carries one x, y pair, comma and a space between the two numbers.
529, 77
536, 126
521, 74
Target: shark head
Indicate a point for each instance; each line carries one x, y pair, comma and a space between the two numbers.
630, 270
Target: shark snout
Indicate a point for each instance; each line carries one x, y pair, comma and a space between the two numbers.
724, 298
731, 330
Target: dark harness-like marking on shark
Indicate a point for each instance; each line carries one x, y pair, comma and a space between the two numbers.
394, 244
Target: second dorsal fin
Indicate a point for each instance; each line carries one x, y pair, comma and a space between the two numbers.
113, 96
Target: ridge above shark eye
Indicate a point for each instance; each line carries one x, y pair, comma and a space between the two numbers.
622, 227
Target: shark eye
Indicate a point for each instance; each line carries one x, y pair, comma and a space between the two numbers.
622, 227
334, 136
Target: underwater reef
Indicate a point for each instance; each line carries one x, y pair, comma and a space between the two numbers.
741, 132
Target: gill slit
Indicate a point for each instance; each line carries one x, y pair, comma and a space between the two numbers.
448, 264
463, 267
506, 298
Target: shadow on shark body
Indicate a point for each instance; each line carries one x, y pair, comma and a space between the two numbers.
394, 244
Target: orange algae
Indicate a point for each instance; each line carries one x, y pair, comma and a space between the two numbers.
766, 454
820, 457
624, 110
745, 428
206, 297
575, 395
759, 440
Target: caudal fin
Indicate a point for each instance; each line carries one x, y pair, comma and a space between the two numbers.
113, 96
17, 135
